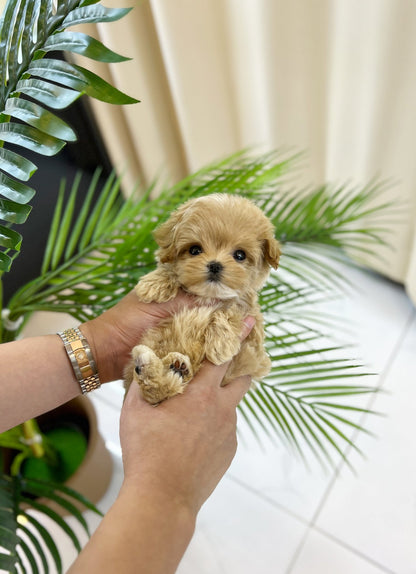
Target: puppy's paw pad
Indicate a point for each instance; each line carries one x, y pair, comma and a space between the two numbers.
179, 364
179, 368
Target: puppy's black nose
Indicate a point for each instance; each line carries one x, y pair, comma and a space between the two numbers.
214, 269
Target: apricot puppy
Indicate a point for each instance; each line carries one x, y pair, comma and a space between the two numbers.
219, 248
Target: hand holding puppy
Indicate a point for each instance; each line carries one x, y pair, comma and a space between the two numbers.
113, 334
182, 449
173, 458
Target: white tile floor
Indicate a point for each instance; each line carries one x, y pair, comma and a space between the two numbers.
270, 515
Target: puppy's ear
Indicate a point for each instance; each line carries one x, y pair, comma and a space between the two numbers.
272, 251
165, 237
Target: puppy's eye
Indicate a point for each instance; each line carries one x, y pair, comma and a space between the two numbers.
195, 250
239, 255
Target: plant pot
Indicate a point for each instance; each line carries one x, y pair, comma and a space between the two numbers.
93, 476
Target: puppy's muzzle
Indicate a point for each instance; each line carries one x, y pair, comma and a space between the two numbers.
215, 270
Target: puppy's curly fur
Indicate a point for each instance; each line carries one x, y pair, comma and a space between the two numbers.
220, 249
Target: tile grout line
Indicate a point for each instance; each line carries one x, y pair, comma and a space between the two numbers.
351, 549
268, 500
382, 379
306, 523
337, 471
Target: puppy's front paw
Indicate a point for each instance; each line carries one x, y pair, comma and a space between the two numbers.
158, 286
222, 351
222, 337
160, 379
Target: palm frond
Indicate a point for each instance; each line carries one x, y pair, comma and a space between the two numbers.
92, 261
330, 224
111, 245
307, 418
313, 394
30, 84
22, 535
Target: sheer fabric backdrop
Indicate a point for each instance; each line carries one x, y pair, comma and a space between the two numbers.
333, 77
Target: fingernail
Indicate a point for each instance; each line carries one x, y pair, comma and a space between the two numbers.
249, 322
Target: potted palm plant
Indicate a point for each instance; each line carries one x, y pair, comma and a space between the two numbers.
42, 460
93, 258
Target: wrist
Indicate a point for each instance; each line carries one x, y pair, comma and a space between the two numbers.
81, 358
161, 501
112, 338
98, 337
129, 537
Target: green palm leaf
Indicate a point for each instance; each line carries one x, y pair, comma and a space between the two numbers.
17, 539
29, 29
44, 536
310, 401
110, 245
92, 261
36, 545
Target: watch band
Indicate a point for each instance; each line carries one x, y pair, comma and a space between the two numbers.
81, 359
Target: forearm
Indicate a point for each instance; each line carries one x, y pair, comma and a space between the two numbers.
36, 377
36, 374
144, 532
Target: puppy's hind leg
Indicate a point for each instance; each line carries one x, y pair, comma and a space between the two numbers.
148, 372
160, 379
179, 365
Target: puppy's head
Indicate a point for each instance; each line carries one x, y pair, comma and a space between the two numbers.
221, 246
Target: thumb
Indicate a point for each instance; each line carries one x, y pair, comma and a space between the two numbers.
248, 324
133, 398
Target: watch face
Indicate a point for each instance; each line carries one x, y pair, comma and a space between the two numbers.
81, 356
81, 359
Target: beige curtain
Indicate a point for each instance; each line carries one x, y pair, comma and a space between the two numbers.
334, 77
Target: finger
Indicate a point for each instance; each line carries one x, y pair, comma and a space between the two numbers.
181, 301
237, 388
214, 374
210, 374
134, 398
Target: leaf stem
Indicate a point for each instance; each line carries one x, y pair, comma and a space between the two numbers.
33, 438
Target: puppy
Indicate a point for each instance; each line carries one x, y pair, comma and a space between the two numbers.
219, 248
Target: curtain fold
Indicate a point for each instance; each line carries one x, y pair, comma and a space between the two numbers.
332, 77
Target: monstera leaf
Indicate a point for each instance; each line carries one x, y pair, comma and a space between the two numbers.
32, 84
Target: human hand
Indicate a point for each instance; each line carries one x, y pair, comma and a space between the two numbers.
113, 334
180, 450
